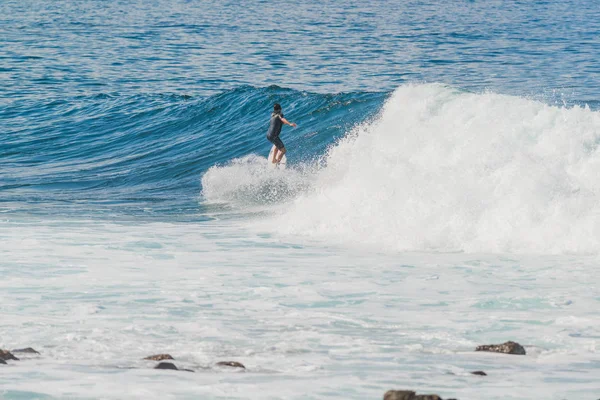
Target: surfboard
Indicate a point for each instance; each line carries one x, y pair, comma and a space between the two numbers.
282, 163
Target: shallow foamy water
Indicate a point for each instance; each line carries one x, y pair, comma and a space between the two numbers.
307, 320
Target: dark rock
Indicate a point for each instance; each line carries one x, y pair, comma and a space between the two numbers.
399, 395
28, 350
7, 355
166, 365
159, 357
408, 395
507, 348
479, 373
2, 361
233, 364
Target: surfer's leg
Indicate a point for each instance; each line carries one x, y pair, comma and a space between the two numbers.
279, 150
281, 154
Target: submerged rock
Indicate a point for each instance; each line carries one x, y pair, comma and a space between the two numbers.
507, 348
233, 364
7, 355
409, 395
479, 373
159, 357
28, 350
166, 365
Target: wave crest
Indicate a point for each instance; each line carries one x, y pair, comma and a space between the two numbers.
446, 170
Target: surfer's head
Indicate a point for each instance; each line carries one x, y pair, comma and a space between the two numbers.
277, 108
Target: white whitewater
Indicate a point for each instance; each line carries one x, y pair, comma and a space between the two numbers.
445, 170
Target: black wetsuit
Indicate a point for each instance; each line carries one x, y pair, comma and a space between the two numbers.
275, 130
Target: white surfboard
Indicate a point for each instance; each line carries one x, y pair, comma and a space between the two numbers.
282, 163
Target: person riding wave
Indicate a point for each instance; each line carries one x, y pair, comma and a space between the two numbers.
277, 121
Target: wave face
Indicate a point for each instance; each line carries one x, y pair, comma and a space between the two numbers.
147, 152
445, 170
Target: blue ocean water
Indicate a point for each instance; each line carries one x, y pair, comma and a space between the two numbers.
442, 192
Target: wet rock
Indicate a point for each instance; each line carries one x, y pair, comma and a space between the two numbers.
409, 395
507, 348
233, 364
159, 357
2, 361
399, 395
7, 355
166, 365
27, 350
479, 373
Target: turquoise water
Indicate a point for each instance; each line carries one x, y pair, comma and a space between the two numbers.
441, 193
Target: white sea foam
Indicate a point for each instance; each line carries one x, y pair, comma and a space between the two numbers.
445, 170
250, 182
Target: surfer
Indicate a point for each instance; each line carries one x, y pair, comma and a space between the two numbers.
277, 121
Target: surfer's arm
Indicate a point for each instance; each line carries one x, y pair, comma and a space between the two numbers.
285, 121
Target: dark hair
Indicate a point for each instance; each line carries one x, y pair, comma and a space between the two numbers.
277, 107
